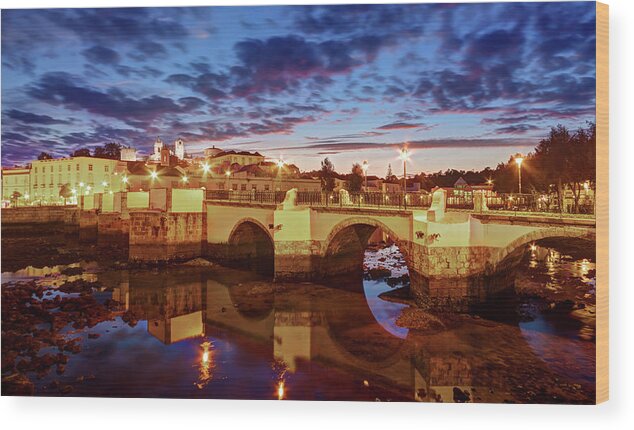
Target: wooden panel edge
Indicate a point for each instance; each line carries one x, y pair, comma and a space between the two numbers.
602, 203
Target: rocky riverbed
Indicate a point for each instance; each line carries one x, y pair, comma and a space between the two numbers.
76, 323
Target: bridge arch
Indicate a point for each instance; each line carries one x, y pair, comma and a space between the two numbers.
345, 245
252, 245
512, 248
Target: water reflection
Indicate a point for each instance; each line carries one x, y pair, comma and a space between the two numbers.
225, 333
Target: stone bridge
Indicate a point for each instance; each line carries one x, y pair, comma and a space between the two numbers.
454, 259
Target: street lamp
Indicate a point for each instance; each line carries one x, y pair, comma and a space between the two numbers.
280, 164
227, 176
153, 174
404, 155
205, 168
364, 167
518, 159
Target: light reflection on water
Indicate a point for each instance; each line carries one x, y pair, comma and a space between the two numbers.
222, 333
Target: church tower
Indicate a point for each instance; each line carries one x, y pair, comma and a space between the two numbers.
179, 149
158, 146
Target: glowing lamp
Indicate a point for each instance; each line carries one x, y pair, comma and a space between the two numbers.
153, 174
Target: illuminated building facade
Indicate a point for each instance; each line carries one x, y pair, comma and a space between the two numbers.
16, 185
83, 175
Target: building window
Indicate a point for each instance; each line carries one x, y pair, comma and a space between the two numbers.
267, 187
69, 167
234, 187
43, 169
243, 187
221, 186
59, 168
90, 167
106, 168
36, 170
77, 167
254, 187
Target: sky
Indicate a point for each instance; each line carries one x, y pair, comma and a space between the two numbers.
462, 85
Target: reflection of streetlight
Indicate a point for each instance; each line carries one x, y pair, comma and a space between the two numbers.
404, 155
185, 179
280, 391
364, 167
518, 159
207, 365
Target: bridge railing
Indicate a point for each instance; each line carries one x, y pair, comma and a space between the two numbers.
499, 202
327, 199
535, 203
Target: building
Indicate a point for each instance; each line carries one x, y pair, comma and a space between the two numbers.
232, 160
84, 175
142, 176
128, 154
461, 194
212, 152
179, 149
16, 185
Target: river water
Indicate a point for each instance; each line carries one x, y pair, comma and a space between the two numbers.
204, 331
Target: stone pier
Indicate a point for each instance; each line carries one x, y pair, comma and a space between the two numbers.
157, 236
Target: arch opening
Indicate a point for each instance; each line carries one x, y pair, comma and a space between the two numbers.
555, 271
368, 258
252, 248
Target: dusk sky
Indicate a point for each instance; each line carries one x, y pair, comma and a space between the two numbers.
466, 85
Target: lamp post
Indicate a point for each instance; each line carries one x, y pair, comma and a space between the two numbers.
227, 176
518, 159
404, 156
364, 167
280, 165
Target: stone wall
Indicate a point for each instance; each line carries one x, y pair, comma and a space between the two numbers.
88, 226
39, 215
160, 236
113, 229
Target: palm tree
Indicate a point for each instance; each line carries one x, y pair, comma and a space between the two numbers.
65, 192
15, 196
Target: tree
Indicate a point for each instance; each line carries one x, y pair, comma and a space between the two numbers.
65, 192
44, 156
110, 150
15, 196
327, 175
81, 152
389, 173
355, 179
